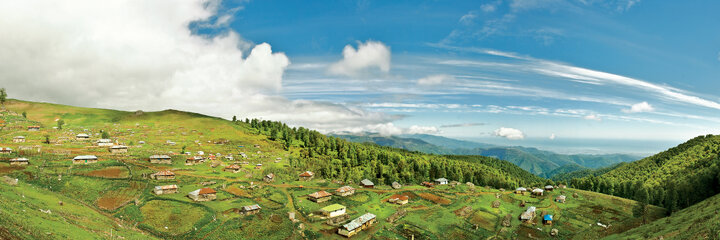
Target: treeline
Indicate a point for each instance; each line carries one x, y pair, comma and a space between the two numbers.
336, 158
674, 179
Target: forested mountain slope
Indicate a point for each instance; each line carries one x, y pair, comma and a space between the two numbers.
676, 178
538, 162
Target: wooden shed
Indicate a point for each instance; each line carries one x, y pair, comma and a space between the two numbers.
203, 195
319, 196
85, 159
361, 223
306, 176
19, 139
167, 189
160, 159
19, 161
163, 175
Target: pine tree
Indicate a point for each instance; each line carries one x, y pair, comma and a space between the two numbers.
641, 208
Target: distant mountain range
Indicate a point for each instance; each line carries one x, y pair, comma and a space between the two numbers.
539, 162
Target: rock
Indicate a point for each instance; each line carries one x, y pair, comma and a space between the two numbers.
506, 220
554, 232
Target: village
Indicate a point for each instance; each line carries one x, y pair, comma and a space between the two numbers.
179, 180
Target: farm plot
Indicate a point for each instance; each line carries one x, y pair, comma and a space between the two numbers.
113, 199
171, 217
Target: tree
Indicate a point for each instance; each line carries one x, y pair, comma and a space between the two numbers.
641, 208
183, 150
234, 119
60, 123
3, 96
24, 114
105, 135
47, 139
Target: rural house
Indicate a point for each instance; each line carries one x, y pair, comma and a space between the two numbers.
203, 195
520, 190
104, 142
306, 176
537, 192
250, 209
319, 196
345, 191
528, 215
396, 185
547, 219
6, 150
562, 186
85, 159
441, 181
167, 189
549, 188
399, 199
269, 178
19, 161
163, 175
232, 168
333, 210
118, 149
33, 128
194, 160
160, 159
560, 199
367, 183
19, 139
82, 137
427, 184
357, 225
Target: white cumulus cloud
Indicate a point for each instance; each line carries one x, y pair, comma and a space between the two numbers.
132, 55
509, 133
434, 79
594, 117
639, 107
368, 56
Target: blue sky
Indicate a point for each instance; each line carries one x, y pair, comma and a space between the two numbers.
545, 73
508, 63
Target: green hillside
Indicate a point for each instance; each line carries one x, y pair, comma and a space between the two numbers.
676, 178
700, 221
114, 197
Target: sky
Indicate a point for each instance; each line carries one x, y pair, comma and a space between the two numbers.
518, 72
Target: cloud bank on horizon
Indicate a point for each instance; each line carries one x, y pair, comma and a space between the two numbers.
476, 70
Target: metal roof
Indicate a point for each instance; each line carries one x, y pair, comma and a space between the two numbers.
251, 207
85, 157
547, 217
83, 135
344, 189
441, 180
367, 182
521, 189
166, 187
19, 160
160, 157
352, 225
19, 137
119, 147
333, 208
320, 194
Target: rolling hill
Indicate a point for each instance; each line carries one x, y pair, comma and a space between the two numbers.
539, 162
116, 197
676, 178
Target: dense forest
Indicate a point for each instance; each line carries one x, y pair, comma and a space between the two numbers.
674, 179
336, 158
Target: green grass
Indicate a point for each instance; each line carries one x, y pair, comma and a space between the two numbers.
171, 217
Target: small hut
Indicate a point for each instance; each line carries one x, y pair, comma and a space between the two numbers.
427, 184
319, 196
6, 150
366, 183
250, 209
167, 189
232, 168
104, 142
333, 210
549, 188
269, 178
560, 199
399, 199
441, 181
19, 139
33, 128
194, 160
118, 149
537, 192
85, 159
19, 161
357, 225
520, 190
82, 137
203, 195
306, 176
163, 175
345, 191
160, 159
396, 185
496, 204
528, 215
547, 219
